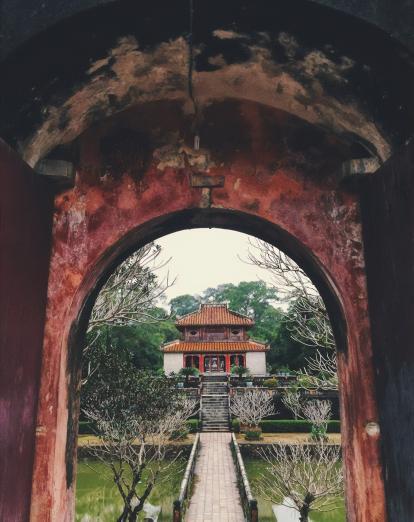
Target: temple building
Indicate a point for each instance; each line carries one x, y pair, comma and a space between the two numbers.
213, 339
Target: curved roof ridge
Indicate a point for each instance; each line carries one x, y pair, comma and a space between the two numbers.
214, 313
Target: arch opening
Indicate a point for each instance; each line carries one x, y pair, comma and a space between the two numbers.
193, 219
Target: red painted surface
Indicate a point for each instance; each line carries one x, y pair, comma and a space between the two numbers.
103, 217
25, 236
227, 362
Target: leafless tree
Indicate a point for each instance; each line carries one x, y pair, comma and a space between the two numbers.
305, 477
309, 321
317, 412
133, 447
307, 318
251, 406
292, 399
128, 297
131, 291
321, 372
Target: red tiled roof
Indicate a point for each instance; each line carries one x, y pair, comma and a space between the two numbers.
207, 346
214, 314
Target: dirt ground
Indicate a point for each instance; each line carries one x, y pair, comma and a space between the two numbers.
271, 438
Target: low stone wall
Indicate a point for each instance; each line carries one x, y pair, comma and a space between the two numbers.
249, 503
180, 505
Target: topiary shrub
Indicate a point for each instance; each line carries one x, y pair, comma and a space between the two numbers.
270, 383
253, 434
193, 425
235, 425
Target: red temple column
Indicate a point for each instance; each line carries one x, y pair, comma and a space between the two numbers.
227, 362
201, 363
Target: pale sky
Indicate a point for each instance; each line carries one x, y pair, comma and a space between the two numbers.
204, 257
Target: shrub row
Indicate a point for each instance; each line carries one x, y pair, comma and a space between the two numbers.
86, 427
288, 426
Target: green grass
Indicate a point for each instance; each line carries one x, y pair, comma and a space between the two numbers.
98, 500
255, 468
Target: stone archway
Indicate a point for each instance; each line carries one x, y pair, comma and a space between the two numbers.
135, 184
285, 100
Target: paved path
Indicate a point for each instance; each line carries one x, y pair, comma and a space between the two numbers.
216, 496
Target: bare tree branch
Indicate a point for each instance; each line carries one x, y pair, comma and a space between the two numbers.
128, 297
251, 406
304, 477
133, 447
131, 291
307, 319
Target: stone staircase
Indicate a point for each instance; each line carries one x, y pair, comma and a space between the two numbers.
214, 403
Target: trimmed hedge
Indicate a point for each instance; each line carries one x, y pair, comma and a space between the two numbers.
288, 426
86, 427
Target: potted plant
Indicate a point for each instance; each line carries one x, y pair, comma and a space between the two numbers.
240, 371
187, 373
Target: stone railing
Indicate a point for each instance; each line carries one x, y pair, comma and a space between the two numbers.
179, 505
249, 503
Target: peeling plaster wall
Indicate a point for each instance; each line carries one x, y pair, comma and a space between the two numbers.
265, 177
329, 70
128, 76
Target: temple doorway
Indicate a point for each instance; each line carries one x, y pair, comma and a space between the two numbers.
214, 363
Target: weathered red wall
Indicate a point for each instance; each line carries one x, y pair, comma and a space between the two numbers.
25, 235
124, 183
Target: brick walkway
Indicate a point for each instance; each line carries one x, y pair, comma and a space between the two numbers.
215, 497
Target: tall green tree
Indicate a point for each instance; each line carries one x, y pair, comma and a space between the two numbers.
142, 341
184, 304
251, 298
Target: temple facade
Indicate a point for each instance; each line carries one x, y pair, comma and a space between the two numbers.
213, 339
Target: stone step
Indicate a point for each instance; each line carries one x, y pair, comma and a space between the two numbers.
218, 430
214, 424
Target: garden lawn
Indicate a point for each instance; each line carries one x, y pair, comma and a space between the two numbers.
98, 500
289, 438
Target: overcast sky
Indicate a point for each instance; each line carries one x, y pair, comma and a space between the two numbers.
203, 258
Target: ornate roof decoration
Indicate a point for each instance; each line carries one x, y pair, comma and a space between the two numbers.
214, 314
